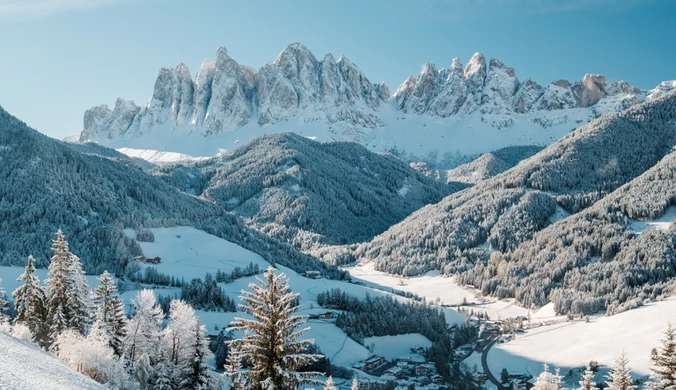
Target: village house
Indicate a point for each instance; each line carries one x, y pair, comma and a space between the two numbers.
313, 274
372, 363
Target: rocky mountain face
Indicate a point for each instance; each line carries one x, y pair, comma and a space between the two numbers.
445, 117
493, 88
226, 96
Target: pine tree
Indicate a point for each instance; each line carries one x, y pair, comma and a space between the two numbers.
57, 325
664, 363
587, 382
29, 300
196, 374
3, 305
57, 293
272, 343
108, 300
162, 374
619, 378
78, 293
234, 366
329, 384
355, 384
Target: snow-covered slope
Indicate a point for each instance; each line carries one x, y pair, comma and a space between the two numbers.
306, 192
441, 116
26, 367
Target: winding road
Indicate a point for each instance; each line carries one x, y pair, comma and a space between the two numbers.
484, 363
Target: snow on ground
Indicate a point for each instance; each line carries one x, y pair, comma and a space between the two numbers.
23, 367
572, 344
158, 157
472, 363
190, 253
443, 141
662, 223
432, 285
393, 347
497, 310
558, 215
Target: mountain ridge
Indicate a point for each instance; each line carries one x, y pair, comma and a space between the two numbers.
437, 113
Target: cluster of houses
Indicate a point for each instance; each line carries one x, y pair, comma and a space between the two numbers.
403, 373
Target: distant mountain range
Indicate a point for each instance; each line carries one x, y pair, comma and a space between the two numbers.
445, 116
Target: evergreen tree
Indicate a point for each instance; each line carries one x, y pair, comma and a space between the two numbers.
196, 374
78, 294
664, 363
355, 384
504, 376
619, 378
108, 301
234, 366
220, 350
29, 300
57, 283
57, 325
3, 305
329, 384
272, 343
162, 374
587, 382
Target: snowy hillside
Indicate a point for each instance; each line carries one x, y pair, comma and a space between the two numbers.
444, 116
309, 193
572, 344
26, 367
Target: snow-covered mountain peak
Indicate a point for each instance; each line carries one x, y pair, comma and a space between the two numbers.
433, 115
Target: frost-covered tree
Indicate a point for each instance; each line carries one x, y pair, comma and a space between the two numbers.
619, 377
664, 363
547, 380
58, 286
3, 305
78, 295
108, 301
588, 382
272, 342
29, 301
233, 366
329, 384
144, 328
355, 384
196, 374
179, 335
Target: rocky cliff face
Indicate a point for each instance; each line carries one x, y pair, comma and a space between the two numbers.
495, 89
447, 115
226, 96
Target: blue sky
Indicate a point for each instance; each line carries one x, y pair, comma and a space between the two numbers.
60, 57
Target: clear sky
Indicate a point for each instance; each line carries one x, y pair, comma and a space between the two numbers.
60, 57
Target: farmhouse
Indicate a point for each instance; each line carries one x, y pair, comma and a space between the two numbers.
313, 274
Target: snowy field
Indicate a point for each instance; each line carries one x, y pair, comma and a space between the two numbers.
431, 285
23, 367
157, 157
393, 347
662, 223
190, 253
572, 344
